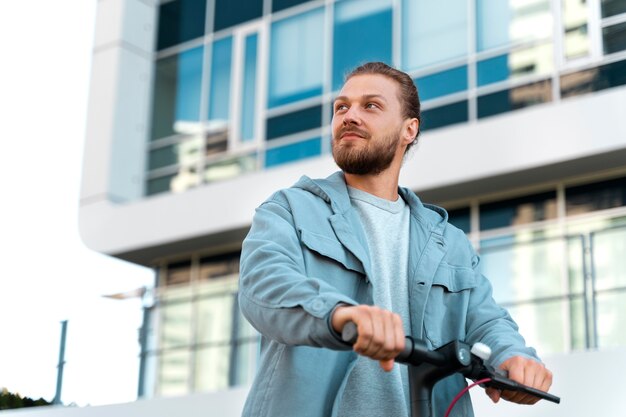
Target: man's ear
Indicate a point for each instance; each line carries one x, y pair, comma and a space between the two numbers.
411, 129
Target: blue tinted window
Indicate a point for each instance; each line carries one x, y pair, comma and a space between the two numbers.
442, 83
460, 218
502, 22
432, 32
180, 21
219, 97
515, 98
293, 152
520, 210
613, 7
594, 79
176, 92
614, 38
492, 70
294, 122
249, 88
362, 33
232, 12
445, 115
278, 5
597, 196
296, 58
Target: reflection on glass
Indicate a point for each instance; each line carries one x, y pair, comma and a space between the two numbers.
612, 7
278, 5
575, 20
296, 58
445, 115
219, 96
575, 264
293, 152
212, 368
611, 319
535, 60
186, 152
214, 319
514, 99
232, 12
594, 79
248, 97
176, 93
614, 38
433, 32
516, 211
609, 253
501, 23
174, 367
219, 266
460, 218
354, 39
175, 324
180, 21
230, 167
595, 196
442, 83
178, 273
294, 122
525, 271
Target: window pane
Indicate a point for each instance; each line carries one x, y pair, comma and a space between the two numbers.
174, 369
180, 21
575, 26
597, 196
510, 267
354, 40
296, 58
231, 12
248, 98
611, 319
186, 177
214, 322
186, 152
609, 253
293, 152
295, 122
433, 32
230, 167
613, 7
216, 266
176, 324
595, 79
460, 218
442, 83
501, 23
514, 99
517, 211
219, 97
278, 5
176, 102
518, 63
212, 368
445, 115
614, 38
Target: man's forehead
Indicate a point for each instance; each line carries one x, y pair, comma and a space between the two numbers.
368, 86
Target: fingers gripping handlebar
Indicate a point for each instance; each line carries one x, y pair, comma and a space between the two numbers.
451, 358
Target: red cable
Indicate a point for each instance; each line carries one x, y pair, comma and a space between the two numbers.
463, 391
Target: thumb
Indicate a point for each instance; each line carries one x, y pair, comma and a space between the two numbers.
493, 394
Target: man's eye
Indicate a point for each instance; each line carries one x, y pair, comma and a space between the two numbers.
340, 107
371, 106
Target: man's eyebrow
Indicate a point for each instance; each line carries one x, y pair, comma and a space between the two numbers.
364, 97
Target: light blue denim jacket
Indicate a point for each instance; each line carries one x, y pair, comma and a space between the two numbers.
306, 252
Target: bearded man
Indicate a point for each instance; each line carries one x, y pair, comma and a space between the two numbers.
356, 247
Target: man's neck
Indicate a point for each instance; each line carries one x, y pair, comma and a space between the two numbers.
383, 185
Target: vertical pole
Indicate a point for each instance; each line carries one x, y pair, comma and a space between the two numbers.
57, 395
143, 342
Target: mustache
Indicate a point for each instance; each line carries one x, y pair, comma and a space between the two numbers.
351, 129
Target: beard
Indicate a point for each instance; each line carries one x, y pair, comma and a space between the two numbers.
371, 159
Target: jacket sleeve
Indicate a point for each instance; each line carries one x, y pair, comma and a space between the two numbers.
275, 294
492, 325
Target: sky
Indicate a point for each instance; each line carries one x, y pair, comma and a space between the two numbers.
46, 273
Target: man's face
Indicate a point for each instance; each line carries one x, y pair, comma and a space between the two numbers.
367, 125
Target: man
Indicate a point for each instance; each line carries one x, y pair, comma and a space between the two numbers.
356, 247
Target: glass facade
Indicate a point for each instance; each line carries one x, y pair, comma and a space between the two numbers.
249, 82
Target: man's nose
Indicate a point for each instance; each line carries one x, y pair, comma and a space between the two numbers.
351, 116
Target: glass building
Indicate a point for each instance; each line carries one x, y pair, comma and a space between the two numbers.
200, 109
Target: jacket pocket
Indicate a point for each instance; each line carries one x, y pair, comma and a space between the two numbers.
330, 248
447, 304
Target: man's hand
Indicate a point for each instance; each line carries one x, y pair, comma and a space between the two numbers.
381, 335
525, 371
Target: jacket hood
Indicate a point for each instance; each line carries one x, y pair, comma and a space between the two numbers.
334, 191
